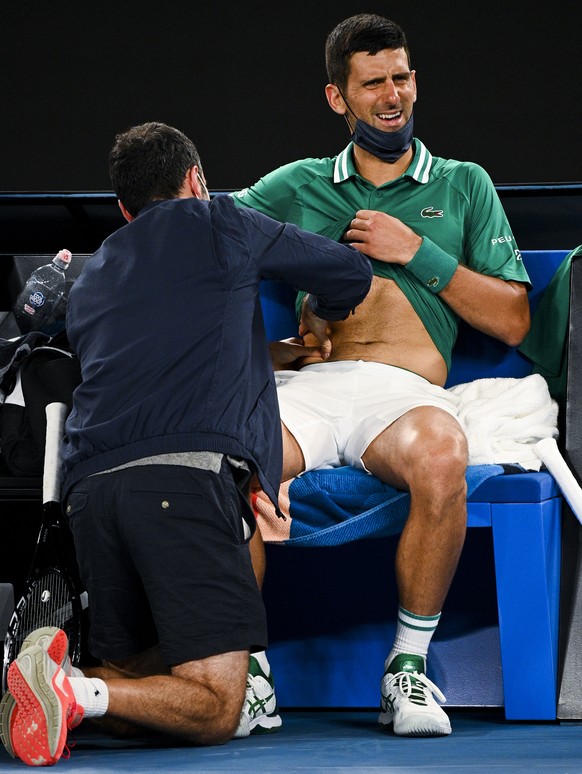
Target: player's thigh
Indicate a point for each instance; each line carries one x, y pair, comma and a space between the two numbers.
293, 460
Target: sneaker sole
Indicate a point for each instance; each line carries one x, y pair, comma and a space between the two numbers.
55, 642
51, 639
39, 732
266, 724
418, 727
7, 706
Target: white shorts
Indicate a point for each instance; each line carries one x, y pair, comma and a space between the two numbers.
335, 410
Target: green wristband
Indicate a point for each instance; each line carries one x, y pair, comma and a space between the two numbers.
432, 266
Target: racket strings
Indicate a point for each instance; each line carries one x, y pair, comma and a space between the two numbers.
48, 603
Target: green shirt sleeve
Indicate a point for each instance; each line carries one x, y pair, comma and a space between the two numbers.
490, 245
274, 194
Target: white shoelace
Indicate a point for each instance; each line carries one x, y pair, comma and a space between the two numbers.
258, 688
414, 686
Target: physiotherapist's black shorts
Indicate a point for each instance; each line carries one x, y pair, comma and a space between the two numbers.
163, 557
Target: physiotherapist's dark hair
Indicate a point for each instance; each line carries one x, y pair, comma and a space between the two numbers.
150, 162
363, 32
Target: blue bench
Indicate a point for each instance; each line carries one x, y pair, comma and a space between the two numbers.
332, 610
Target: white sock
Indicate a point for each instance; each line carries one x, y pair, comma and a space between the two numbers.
92, 694
413, 634
261, 657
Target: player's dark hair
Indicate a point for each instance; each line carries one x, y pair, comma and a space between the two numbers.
363, 32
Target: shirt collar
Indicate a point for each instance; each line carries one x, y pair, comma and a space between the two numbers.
418, 170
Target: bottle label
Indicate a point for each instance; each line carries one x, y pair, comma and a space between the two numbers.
37, 298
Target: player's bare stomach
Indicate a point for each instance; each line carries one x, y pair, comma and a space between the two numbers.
386, 329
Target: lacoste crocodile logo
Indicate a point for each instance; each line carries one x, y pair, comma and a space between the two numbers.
430, 212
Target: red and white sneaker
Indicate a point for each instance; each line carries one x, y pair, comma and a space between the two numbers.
56, 644
45, 702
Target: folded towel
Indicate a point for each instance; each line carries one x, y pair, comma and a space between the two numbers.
504, 418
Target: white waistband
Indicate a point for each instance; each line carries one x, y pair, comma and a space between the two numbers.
341, 366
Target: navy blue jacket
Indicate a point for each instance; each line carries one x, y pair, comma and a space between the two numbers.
166, 320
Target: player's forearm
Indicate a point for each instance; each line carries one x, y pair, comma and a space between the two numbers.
495, 306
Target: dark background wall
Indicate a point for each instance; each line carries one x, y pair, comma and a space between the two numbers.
499, 83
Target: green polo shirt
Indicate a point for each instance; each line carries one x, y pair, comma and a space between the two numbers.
453, 205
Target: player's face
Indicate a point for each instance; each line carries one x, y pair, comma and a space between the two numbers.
381, 88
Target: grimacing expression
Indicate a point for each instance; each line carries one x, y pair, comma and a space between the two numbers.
381, 89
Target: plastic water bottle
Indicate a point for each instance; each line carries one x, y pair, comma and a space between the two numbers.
36, 306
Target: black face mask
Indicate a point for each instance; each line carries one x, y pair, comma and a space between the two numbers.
387, 146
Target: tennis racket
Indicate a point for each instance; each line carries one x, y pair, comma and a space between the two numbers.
51, 596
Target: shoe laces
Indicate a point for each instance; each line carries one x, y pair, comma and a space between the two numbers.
414, 686
257, 687
258, 694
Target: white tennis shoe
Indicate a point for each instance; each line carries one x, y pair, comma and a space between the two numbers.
259, 713
407, 700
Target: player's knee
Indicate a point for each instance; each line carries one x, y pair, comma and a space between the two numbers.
440, 467
219, 726
230, 721
449, 456
219, 732
444, 451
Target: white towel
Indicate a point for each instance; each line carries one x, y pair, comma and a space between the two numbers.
504, 418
